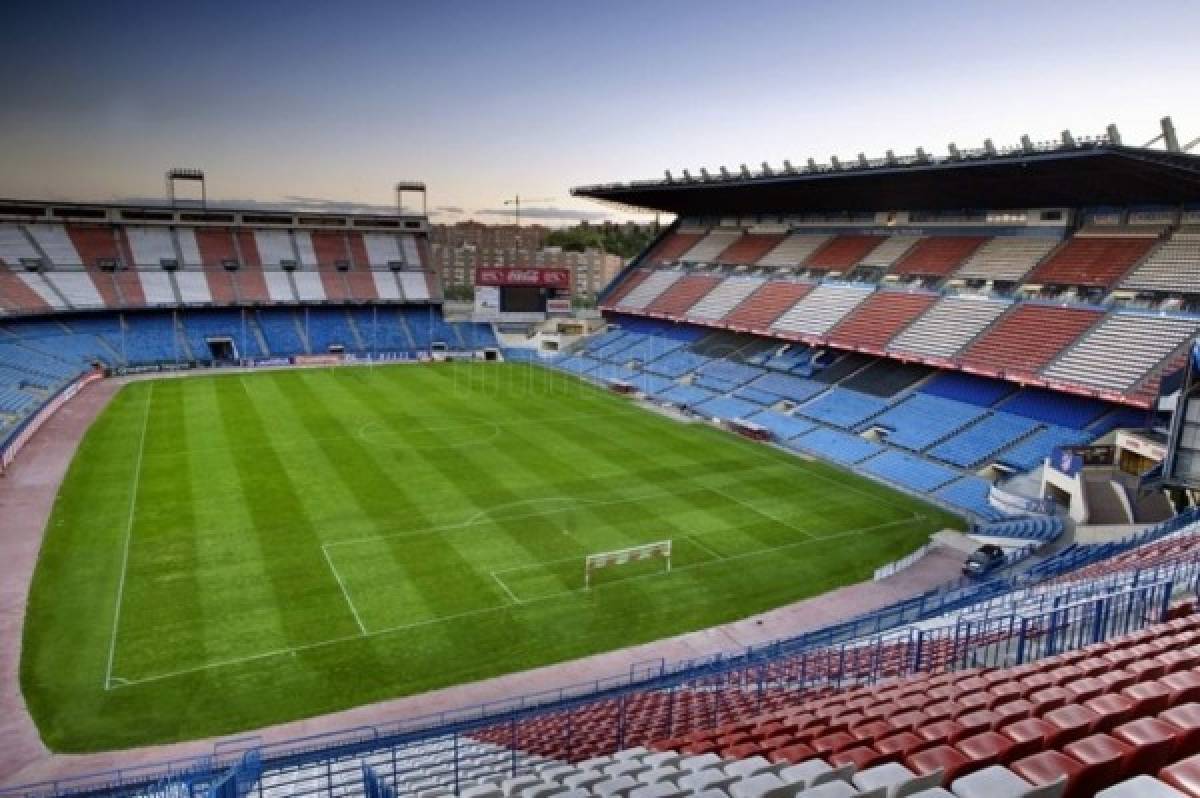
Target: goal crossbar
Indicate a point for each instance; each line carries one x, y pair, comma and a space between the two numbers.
604, 559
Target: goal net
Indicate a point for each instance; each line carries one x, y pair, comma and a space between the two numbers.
605, 559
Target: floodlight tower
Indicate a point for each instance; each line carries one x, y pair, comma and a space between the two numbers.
414, 186
191, 175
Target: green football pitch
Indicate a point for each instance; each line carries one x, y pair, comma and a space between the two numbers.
237, 550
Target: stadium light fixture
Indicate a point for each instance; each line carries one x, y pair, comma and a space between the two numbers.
862, 160
954, 153
1026, 143
989, 147
188, 175
410, 186
746, 171
687, 176
704, 175
812, 165
667, 172
922, 156
766, 169
1114, 135
834, 162
891, 157
725, 173
1068, 140
787, 167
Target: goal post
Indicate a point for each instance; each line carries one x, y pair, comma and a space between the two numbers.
605, 559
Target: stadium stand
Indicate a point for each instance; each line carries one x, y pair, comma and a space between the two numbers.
922, 420
649, 289
842, 253
1090, 259
758, 311
968, 388
677, 298
749, 248
981, 441
885, 378
840, 447
1006, 259
1055, 408
672, 247
1024, 341
1117, 354
910, 471
843, 408
793, 250
873, 323
1171, 268
726, 296
820, 309
713, 244
890, 250
947, 327
936, 256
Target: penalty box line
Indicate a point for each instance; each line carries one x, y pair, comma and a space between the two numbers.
292, 650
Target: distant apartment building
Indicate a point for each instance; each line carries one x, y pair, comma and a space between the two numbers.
460, 249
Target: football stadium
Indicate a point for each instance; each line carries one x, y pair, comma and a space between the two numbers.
873, 476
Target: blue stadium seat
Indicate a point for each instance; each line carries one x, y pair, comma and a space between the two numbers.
968, 388
1029, 453
783, 427
1061, 409
783, 386
843, 408
685, 395
676, 364
841, 447
1042, 529
725, 407
909, 471
977, 443
970, 494
922, 420
200, 325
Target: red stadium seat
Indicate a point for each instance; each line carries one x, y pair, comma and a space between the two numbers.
1153, 741
1047, 767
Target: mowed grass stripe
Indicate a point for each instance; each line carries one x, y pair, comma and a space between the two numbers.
289, 545
467, 468
414, 564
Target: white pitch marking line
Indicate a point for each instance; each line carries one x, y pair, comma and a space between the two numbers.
133, 494
763, 513
506, 588
696, 539
345, 593
503, 607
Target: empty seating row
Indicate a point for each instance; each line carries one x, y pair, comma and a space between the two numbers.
1174, 267
947, 327
710, 246
1006, 258
843, 408
909, 471
878, 319
719, 302
1119, 352
922, 420
981, 441
1028, 338
820, 309
1099, 261
937, 256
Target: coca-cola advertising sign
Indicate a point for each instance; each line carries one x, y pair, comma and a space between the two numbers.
549, 278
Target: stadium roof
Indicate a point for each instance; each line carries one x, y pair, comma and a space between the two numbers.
1093, 174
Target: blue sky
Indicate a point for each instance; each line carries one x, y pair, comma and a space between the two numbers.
482, 100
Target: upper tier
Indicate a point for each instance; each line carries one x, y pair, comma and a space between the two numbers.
49, 267
1117, 354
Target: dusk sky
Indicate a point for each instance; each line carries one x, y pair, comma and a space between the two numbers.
482, 100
